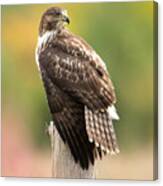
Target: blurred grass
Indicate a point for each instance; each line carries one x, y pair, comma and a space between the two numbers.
122, 33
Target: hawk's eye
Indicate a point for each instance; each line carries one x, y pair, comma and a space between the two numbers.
58, 13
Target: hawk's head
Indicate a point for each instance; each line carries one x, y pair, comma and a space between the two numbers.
53, 19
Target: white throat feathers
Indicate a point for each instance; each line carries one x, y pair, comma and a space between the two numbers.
43, 40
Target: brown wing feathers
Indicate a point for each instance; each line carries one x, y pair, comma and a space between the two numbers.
82, 82
71, 125
69, 120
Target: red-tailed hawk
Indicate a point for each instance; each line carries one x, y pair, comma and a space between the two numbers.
79, 91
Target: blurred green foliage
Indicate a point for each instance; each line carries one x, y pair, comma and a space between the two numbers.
122, 34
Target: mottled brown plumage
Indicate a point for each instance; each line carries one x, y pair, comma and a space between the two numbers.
79, 91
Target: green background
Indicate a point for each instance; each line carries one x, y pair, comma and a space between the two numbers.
121, 33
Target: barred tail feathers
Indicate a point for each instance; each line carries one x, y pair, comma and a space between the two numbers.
100, 130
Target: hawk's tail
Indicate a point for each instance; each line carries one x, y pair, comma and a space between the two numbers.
100, 130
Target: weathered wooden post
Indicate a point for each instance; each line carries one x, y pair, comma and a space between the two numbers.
63, 164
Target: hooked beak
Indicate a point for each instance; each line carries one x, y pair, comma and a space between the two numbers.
65, 17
